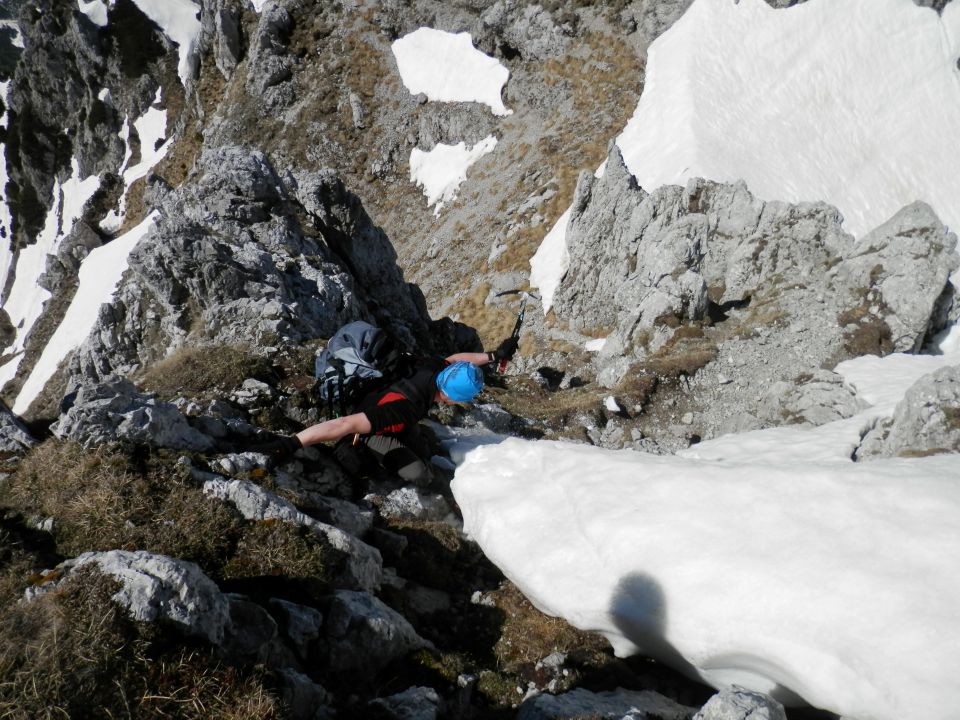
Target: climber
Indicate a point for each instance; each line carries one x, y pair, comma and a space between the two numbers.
385, 429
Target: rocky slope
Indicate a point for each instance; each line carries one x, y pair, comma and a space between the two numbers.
284, 209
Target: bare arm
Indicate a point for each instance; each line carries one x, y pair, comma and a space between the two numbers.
335, 429
472, 358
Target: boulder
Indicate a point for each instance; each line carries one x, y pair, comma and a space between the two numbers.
303, 698
252, 632
620, 704
903, 267
114, 410
220, 33
734, 294
158, 588
269, 63
925, 422
299, 623
14, 437
365, 635
363, 566
812, 400
408, 503
736, 703
416, 703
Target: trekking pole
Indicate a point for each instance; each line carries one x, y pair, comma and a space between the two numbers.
524, 296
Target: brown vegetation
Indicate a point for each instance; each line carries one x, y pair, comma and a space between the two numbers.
200, 371
73, 653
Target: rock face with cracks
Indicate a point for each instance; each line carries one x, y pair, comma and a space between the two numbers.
116, 410
228, 255
156, 587
925, 422
708, 283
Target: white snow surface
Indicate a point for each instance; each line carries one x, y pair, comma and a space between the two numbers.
96, 10
25, 302
441, 171
549, 264
6, 221
151, 129
854, 102
99, 276
833, 581
447, 68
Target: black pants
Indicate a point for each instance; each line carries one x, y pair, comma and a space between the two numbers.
406, 455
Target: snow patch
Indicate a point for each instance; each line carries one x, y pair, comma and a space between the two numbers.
25, 302
6, 220
100, 274
595, 345
441, 171
820, 101
96, 10
151, 129
551, 261
447, 68
834, 582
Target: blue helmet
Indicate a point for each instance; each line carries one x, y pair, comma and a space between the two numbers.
460, 381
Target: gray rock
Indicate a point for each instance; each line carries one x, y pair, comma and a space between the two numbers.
529, 30
304, 699
620, 704
115, 410
809, 400
14, 437
159, 588
363, 566
903, 267
269, 64
744, 293
416, 703
252, 631
274, 280
364, 635
300, 624
252, 392
239, 463
926, 421
736, 703
410, 504
220, 33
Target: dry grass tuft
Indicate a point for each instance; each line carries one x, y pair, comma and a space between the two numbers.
492, 322
277, 549
103, 500
73, 653
198, 371
528, 635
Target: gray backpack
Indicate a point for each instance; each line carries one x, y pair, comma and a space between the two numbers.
359, 359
